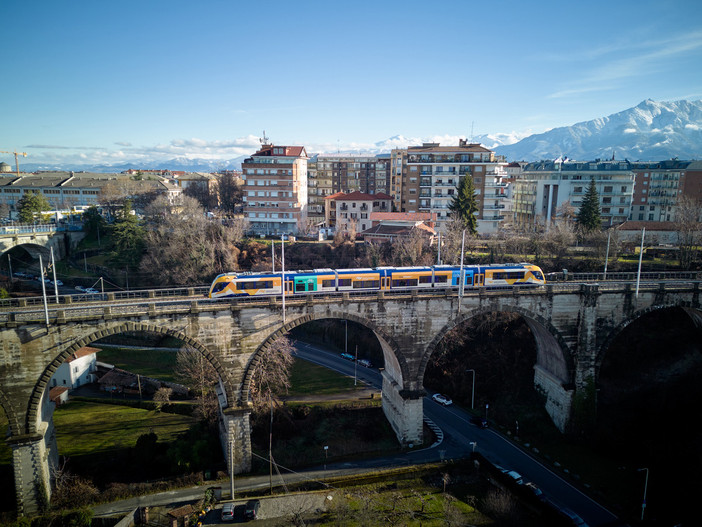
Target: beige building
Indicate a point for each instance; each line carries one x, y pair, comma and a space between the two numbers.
275, 190
354, 209
430, 175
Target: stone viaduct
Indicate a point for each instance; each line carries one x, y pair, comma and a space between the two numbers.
573, 325
39, 239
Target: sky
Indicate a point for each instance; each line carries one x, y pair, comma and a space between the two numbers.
109, 82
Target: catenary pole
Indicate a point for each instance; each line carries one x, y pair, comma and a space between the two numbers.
638, 274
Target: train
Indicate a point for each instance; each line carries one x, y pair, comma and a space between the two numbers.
242, 284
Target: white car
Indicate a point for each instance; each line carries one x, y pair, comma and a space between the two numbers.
80, 288
57, 282
92, 291
442, 399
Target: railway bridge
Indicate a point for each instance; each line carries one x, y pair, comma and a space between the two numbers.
572, 323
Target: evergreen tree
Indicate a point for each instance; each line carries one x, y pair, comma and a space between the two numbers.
589, 214
128, 238
465, 205
31, 203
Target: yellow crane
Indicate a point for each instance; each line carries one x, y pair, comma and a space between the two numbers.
16, 160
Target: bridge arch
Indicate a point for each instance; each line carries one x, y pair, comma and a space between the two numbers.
15, 424
34, 407
552, 350
691, 310
391, 351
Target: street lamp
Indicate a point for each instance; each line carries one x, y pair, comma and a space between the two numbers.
472, 392
643, 503
473, 444
486, 410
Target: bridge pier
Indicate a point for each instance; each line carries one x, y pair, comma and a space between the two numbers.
235, 436
404, 409
32, 458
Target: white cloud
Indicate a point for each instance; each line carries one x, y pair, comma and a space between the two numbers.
693, 126
630, 130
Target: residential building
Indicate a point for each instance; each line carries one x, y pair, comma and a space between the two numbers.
658, 187
545, 187
77, 370
431, 174
391, 226
352, 211
275, 189
331, 173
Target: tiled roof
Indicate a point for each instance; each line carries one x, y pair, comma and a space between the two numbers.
82, 352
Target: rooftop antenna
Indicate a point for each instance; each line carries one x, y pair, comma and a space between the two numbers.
264, 139
472, 137
337, 146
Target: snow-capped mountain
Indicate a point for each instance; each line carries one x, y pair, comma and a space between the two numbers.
651, 131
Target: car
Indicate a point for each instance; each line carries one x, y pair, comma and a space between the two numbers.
442, 399
91, 291
365, 363
572, 518
515, 476
20, 274
57, 282
347, 356
228, 512
536, 491
80, 288
479, 421
251, 510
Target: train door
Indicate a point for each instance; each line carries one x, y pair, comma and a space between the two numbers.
479, 280
305, 284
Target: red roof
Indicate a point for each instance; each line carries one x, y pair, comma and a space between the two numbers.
289, 151
82, 352
403, 216
358, 196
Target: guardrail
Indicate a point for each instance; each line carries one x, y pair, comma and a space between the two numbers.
622, 277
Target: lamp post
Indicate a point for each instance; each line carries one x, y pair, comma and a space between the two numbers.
472, 392
473, 444
643, 503
486, 410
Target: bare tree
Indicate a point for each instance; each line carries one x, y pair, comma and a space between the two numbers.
451, 242
271, 374
183, 246
162, 397
688, 226
412, 249
196, 372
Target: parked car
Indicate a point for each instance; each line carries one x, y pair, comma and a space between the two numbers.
479, 421
536, 491
251, 510
91, 291
442, 399
347, 356
228, 512
572, 518
515, 476
365, 363
57, 282
20, 274
80, 288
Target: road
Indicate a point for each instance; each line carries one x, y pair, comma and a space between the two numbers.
459, 433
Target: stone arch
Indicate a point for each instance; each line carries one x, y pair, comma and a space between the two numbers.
553, 353
387, 342
35, 399
15, 425
33, 249
692, 311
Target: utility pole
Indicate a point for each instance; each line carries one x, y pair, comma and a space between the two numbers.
638, 274
9, 264
462, 277
282, 263
270, 447
53, 269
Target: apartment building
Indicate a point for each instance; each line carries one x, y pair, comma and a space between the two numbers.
658, 187
430, 175
543, 188
345, 210
275, 189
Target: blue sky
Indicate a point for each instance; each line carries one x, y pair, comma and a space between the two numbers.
109, 82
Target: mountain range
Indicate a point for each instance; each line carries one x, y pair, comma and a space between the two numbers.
650, 131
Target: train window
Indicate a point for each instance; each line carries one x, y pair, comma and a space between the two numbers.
328, 283
220, 285
408, 282
508, 276
300, 286
365, 284
538, 275
425, 279
440, 279
260, 284
344, 282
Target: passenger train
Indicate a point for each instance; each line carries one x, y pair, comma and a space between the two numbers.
378, 279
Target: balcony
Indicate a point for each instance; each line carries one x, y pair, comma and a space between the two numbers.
493, 207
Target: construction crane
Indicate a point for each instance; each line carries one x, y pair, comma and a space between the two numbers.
16, 160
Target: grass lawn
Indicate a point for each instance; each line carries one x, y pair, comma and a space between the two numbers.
159, 364
86, 428
307, 378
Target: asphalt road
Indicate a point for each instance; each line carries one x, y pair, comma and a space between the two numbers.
459, 433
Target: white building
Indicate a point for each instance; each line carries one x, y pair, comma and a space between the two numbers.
77, 370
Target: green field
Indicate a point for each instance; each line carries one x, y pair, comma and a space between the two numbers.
159, 364
86, 428
309, 379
